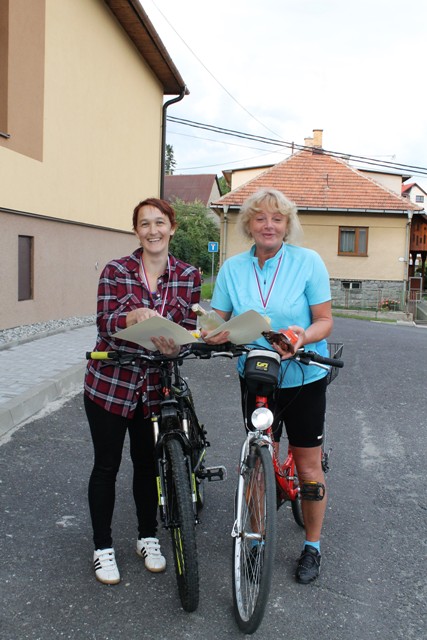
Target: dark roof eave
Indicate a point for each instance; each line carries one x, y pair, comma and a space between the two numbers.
139, 28
332, 210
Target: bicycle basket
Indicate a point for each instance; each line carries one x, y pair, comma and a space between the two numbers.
262, 371
335, 351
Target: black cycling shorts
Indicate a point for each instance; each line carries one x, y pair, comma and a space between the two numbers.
300, 409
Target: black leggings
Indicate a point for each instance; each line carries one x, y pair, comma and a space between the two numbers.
108, 432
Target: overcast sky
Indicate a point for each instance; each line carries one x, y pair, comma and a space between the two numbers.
281, 68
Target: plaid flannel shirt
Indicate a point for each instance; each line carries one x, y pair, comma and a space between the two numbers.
119, 388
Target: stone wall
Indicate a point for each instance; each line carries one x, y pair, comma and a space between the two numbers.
368, 294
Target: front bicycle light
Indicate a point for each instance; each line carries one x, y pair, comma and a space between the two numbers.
262, 419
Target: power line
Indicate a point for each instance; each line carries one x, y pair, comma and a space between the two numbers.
210, 72
385, 164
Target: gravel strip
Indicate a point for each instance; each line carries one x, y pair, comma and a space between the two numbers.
25, 333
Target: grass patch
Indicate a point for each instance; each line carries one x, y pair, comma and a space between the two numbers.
207, 291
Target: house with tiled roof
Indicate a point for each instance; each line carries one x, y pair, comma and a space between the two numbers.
189, 188
360, 227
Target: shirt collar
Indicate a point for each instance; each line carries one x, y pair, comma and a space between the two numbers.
271, 261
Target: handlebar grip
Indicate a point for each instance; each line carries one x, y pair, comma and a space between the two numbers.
332, 362
202, 348
100, 355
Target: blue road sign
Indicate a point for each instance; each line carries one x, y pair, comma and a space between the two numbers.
213, 247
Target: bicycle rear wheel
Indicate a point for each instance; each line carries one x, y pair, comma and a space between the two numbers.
255, 538
182, 525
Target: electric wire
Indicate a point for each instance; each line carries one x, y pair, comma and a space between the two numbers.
385, 164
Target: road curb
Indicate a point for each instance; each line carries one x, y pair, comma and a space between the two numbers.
14, 412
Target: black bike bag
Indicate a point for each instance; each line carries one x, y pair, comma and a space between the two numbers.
262, 371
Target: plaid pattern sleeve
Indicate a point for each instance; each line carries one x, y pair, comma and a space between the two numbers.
118, 389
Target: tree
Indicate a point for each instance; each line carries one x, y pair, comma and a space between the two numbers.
195, 230
170, 162
223, 186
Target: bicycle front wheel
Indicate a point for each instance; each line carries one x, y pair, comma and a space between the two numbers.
254, 538
182, 525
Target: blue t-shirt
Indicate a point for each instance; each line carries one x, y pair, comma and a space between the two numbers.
289, 283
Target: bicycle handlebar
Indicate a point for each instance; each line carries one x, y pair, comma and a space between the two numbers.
203, 350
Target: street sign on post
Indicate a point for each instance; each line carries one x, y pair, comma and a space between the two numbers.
213, 249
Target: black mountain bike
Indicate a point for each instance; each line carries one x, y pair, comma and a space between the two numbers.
180, 450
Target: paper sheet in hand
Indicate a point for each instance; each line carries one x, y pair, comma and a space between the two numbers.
142, 332
243, 328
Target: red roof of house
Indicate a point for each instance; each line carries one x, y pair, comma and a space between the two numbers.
315, 180
407, 187
190, 188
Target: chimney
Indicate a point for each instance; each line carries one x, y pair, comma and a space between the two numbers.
317, 138
308, 142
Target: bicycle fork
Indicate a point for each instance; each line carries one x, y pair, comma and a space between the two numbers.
245, 462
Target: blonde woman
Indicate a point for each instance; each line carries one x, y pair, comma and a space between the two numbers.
290, 285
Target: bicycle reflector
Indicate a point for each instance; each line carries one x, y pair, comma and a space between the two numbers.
262, 371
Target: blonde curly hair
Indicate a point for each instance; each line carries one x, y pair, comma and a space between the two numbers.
274, 201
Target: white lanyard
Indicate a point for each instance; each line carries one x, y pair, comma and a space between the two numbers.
144, 275
264, 301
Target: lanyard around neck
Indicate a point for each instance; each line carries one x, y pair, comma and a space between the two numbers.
265, 300
147, 284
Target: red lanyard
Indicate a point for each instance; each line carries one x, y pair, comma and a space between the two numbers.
148, 285
265, 300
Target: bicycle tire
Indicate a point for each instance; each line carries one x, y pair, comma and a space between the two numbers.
182, 525
252, 578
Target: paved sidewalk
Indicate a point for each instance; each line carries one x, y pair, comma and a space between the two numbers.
37, 372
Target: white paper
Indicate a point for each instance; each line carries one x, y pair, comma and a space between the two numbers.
155, 327
244, 328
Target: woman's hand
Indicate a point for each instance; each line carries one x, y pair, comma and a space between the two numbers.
289, 350
219, 338
139, 315
166, 346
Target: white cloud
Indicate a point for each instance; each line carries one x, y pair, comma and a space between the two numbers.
352, 68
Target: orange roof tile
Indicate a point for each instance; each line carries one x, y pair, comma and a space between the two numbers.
314, 180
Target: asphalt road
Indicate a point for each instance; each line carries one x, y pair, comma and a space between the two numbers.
373, 581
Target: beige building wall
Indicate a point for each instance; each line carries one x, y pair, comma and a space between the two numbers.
84, 114
102, 124
382, 261
390, 181
67, 257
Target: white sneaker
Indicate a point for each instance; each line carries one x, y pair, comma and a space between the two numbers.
149, 549
105, 566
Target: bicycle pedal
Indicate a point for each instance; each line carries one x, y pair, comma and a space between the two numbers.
212, 474
312, 491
